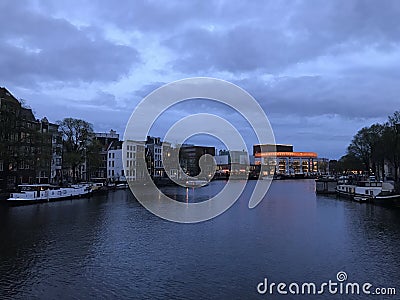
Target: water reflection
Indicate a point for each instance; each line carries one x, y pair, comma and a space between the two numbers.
193, 194
109, 246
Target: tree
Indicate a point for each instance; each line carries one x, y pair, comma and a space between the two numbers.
378, 144
349, 162
377, 148
93, 158
77, 138
391, 140
366, 146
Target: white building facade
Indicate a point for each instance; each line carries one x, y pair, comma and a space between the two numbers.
132, 151
115, 167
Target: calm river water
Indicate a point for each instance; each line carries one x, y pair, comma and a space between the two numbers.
109, 246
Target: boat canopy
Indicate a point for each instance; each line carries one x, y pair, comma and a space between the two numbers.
36, 187
370, 183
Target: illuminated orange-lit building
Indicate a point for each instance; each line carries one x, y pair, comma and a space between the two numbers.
282, 160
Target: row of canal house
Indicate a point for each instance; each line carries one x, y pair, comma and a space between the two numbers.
31, 152
274, 159
152, 150
30, 149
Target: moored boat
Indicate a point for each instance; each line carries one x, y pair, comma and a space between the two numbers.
121, 186
362, 191
389, 198
368, 191
35, 193
346, 190
97, 186
196, 183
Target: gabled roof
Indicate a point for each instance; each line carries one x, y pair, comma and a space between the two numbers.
6, 95
27, 114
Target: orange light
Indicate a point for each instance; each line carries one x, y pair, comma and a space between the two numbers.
287, 154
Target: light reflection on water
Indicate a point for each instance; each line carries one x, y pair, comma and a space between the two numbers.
110, 246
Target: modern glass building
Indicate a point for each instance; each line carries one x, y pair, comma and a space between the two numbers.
282, 160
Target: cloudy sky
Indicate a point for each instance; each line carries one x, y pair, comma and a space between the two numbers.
321, 70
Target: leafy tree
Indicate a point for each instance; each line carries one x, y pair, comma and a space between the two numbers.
365, 146
93, 157
77, 138
391, 140
377, 148
350, 162
378, 143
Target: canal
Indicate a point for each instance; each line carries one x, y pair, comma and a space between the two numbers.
109, 246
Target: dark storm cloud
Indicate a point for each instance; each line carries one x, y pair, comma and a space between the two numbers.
101, 110
36, 48
241, 49
153, 16
311, 29
314, 66
365, 21
354, 96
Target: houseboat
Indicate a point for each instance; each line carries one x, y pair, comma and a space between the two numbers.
367, 190
388, 196
364, 191
346, 190
35, 193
